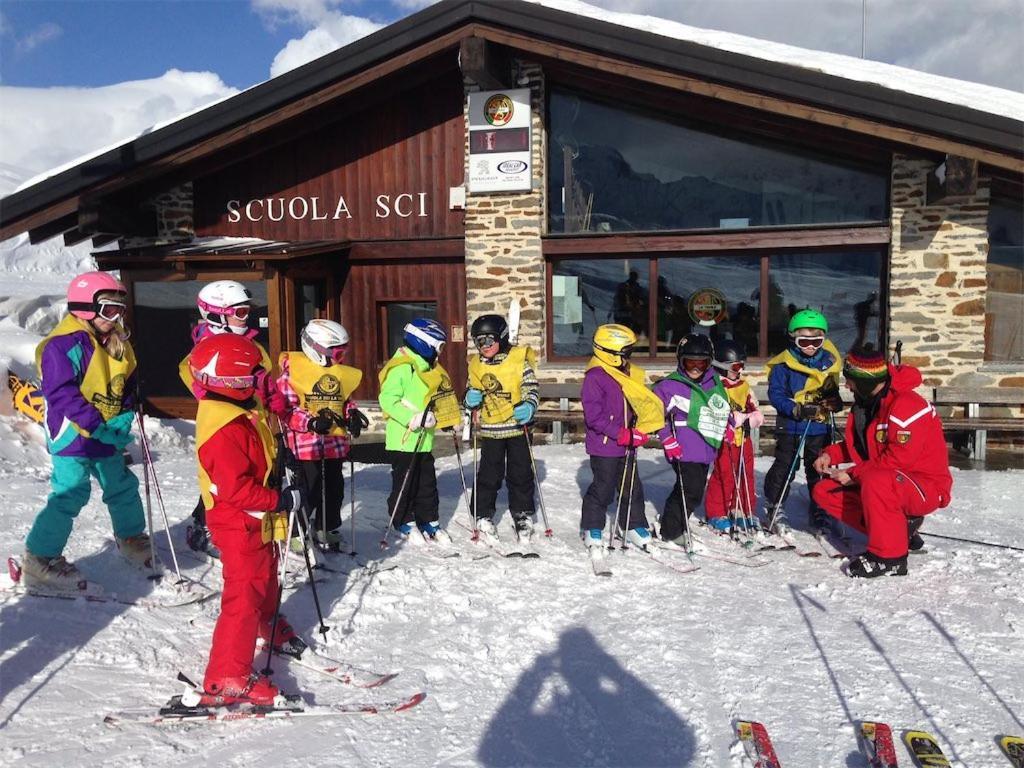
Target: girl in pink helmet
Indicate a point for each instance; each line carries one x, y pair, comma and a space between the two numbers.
87, 377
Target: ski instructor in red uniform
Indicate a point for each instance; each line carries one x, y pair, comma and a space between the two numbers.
900, 466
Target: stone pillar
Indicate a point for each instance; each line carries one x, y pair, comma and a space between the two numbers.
937, 278
504, 260
175, 214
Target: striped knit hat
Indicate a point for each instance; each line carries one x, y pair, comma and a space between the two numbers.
866, 363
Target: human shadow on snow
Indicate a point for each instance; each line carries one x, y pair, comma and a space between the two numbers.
579, 706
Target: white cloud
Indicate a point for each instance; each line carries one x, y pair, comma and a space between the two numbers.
333, 31
44, 33
42, 128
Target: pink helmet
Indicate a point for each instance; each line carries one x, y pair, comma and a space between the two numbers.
83, 290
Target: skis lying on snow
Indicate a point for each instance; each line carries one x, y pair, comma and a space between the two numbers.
497, 546
599, 561
189, 593
757, 744
348, 674
876, 741
180, 711
751, 560
925, 749
1013, 748
658, 555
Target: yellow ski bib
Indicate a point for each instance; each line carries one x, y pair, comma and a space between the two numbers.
320, 387
440, 391
649, 410
213, 415
738, 396
815, 379
500, 383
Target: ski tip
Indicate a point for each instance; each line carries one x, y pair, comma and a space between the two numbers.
415, 700
382, 680
14, 570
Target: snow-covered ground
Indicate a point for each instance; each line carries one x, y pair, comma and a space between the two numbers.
530, 663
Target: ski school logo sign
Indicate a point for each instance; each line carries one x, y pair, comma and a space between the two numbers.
499, 141
707, 306
498, 110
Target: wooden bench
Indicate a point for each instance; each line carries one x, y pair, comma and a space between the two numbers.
969, 401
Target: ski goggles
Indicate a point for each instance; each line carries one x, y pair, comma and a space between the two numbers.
696, 363
810, 341
625, 353
241, 311
226, 382
734, 367
110, 310
335, 354
485, 340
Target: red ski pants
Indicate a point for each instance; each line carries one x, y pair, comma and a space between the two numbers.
879, 506
247, 603
723, 494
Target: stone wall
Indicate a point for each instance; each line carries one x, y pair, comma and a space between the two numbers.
174, 214
504, 260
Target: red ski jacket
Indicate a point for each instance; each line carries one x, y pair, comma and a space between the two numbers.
905, 435
233, 458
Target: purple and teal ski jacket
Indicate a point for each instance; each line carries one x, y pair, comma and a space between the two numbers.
676, 397
62, 368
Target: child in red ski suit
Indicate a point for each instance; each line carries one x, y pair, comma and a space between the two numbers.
236, 450
900, 466
730, 499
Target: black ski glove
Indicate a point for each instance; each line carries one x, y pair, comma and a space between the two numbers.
323, 422
292, 499
357, 422
807, 412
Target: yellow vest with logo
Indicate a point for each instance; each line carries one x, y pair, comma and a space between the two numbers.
440, 391
738, 396
647, 406
104, 379
320, 387
815, 379
501, 383
212, 416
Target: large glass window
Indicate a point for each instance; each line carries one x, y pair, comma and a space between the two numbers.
1004, 303
719, 295
163, 316
612, 170
398, 314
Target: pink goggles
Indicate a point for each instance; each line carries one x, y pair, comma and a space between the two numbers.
335, 354
241, 311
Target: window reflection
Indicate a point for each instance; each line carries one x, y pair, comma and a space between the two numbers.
1004, 302
586, 294
615, 171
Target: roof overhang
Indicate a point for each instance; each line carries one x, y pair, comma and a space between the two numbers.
915, 121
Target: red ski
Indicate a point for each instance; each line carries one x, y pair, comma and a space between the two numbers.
757, 744
879, 748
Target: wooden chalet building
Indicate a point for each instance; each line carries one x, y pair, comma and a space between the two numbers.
483, 151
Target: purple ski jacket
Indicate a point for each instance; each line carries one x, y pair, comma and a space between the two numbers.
604, 412
64, 362
695, 448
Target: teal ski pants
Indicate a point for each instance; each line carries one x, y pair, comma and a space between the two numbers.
72, 484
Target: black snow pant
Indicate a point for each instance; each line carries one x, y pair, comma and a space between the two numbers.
611, 473
694, 476
332, 483
419, 499
786, 445
199, 513
502, 458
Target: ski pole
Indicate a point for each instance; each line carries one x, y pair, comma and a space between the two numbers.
352, 503
536, 480
972, 541
402, 487
618, 499
323, 496
687, 533
476, 474
774, 513
462, 473
306, 549
624, 526
148, 461
280, 591
154, 576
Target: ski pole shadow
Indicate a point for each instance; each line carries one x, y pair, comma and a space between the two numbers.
578, 706
967, 662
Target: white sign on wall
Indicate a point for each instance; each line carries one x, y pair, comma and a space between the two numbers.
499, 141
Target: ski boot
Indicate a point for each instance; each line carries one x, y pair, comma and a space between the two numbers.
197, 536
593, 538
523, 527
870, 566
254, 689
51, 573
433, 532
720, 525
136, 550
487, 533
640, 538
914, 541
330, 541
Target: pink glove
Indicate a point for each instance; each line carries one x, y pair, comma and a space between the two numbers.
673, 450
631, 438
277, 403
755, 419
738, 419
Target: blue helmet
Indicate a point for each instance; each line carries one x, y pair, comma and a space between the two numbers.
425, 337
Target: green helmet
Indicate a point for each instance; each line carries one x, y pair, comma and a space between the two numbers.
808, 318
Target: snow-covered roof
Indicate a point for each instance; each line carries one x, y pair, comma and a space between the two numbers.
984, 98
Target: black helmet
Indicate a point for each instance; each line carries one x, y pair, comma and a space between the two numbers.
728, 352
491, 325
696, 346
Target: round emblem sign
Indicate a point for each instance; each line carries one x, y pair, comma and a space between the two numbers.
498, 110
707, 306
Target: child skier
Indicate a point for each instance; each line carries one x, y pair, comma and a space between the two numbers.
619, 412
503, 397
416, 397
900, 469
696, 415
235, 449
320, 418
87, 377
803, 387
731, 487
225, 306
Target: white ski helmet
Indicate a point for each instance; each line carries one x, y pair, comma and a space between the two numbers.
324, 341
218, 300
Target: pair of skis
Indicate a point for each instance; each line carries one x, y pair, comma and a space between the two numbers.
877, 743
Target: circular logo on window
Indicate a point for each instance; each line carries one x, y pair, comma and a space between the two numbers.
498, 110
707, 306
512, 166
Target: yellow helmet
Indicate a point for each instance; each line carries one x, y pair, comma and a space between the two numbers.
613, 344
